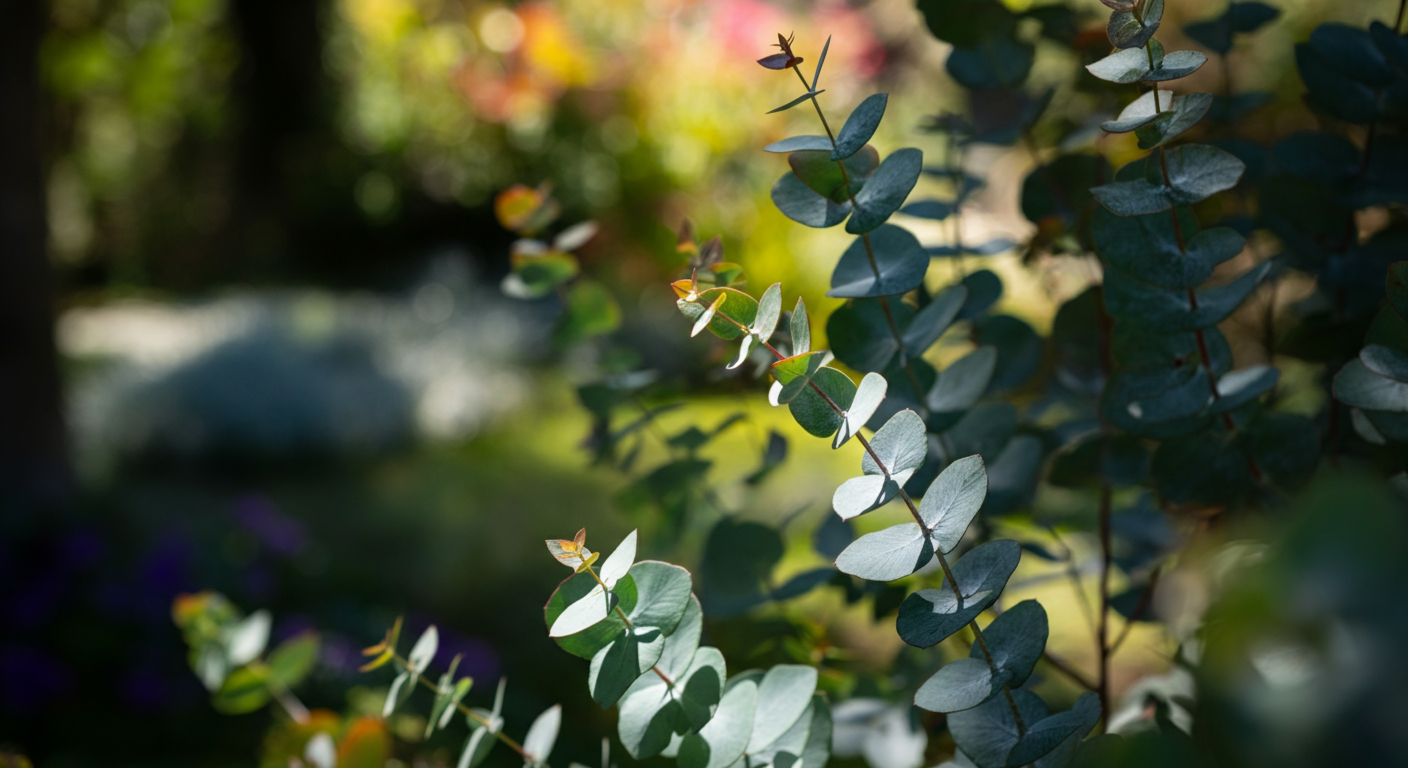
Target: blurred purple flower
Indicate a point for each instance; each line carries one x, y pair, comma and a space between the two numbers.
280, 533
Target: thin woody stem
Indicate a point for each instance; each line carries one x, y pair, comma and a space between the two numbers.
870, 254
913, 511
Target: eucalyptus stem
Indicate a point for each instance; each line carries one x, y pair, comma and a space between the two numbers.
1103, 689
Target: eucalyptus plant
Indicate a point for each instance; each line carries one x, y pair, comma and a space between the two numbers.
839, 178
1133, 402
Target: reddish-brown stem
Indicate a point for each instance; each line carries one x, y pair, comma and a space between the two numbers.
1103, 686
1145, 598
1203, 355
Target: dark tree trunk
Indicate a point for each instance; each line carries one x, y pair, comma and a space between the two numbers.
280, 96
34, 465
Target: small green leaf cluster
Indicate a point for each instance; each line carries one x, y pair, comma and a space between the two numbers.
639, 624
228, 652
486, 726
541, 268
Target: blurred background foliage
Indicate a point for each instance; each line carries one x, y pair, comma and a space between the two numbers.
289, 374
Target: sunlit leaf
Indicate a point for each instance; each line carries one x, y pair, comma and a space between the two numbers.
952, 501
723, 740
868, 396
900, 445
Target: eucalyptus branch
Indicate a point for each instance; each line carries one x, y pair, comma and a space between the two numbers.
919, 393
914, 512
476, 717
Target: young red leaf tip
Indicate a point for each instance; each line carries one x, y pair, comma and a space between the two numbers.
570, 552
782, 60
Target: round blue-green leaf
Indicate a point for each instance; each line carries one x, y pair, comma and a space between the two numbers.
1019, 349
831, 179
860, 126
885, 191
987, 733
1161, 309
997, 62
1185, 112
815, 414
618, 665
868, 396
1353, 52
799, 143
1240, 387
961, 384
587, 642
769, 310
901, 446
983, 430
1195, 173
952, 500
723, 740
664, 592
784, 694
1013, 474
1176, 65
793, 375
1140, 112
804, 205
930, 322
1016, 639
1129, 31
735, 304
936, 210
984, 289
930, 615
1385, 361
587, 611
542, 734
1124, 66
1051, 732
816, 752
1333, 91
886, 555
801, 329
861, 336
899, 265
959, 685
1359, 386
652, 714
1147, 248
